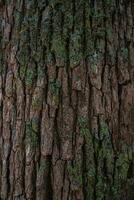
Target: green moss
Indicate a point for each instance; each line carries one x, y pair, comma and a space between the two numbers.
83, 125
37, 103
131, 112
58, 47
41, 4
104, 131
124, 53
55, 87
109, 2
1, 69
22, 71
75, 175
22, 55
75, 48
18, 16
30, 76
35, 124
41, 72
94, 60
54, 3
98, 14
32, 132
44, 165
6, 1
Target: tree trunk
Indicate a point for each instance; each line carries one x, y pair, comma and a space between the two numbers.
67, 100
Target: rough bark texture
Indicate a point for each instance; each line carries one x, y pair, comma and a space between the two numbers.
66, 99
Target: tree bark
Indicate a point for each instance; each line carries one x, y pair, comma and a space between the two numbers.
67, 100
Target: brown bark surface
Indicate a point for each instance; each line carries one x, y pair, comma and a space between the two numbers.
66, 100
